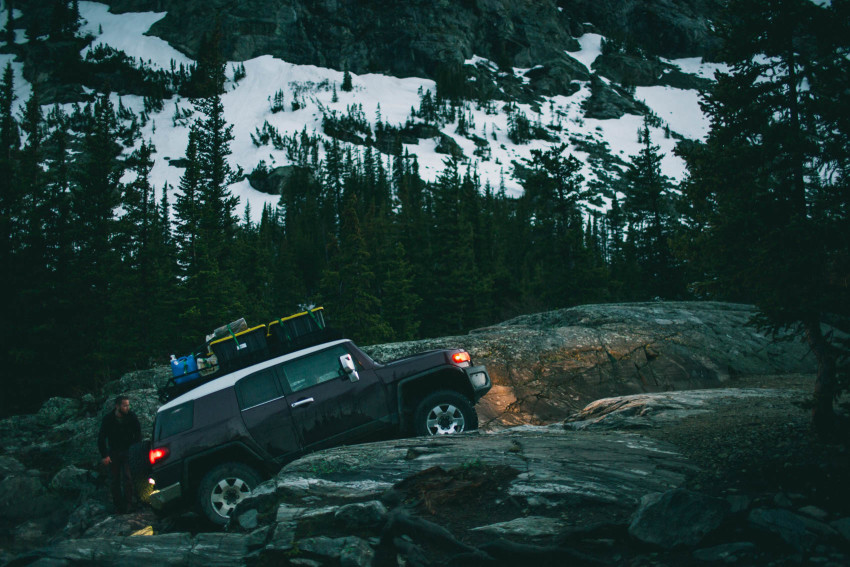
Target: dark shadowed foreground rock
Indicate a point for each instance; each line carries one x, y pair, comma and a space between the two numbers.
696, 516
796, 530
526, 495
329, 506
541, 493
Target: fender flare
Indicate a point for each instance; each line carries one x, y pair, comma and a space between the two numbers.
460, 383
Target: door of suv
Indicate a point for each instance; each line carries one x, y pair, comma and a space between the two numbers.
266, 413
328, 408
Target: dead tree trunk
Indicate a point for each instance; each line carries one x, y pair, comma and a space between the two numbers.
823, 413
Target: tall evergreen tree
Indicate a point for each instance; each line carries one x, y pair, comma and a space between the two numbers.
143, 281
218, 206
449, 299
767, 213
10, 194
187, 208
209, 74
95, 196
207, 225
650, 210
555, 269
347, 283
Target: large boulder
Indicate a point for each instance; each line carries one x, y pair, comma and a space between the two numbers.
670, 28
677, 518
549, 365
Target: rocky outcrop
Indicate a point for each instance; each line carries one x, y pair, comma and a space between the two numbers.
548, 365
607, 101
405, 39
530, 494
636, 71
542, 485
655, 410
670, 28
419, 38
411, 497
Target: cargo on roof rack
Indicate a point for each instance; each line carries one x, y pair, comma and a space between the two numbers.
237, 350
241, 349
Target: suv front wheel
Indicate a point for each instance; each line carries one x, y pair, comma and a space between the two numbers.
223, 487
444, 412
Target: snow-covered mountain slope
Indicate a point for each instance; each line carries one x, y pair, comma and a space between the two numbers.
248, 106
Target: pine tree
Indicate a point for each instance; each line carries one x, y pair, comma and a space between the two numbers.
212, 292
218, 217
97, 190
399, 302
555, 270
347, 84
448, 302
208, 75
347, 283
96, 194
768, 215
9, 32
286, 290
139, 282
187, 207
649, 208
10, 196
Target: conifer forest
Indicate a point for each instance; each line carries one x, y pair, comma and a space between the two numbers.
102, 274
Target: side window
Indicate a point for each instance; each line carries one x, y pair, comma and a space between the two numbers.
257, 388
314, 369
175, 420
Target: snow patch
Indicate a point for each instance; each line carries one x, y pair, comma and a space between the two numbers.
591, 48
127, 33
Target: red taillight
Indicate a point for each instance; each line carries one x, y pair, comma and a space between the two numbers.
157, 455
460, 357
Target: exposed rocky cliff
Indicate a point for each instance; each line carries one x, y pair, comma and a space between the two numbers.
544, 485
423, 37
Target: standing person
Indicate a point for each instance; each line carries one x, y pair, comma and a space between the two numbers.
118, 430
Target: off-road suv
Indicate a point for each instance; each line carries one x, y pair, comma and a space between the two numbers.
212, 445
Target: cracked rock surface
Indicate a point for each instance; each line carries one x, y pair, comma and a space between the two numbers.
581, 461
548, 365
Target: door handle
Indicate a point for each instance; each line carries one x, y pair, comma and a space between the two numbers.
303, 402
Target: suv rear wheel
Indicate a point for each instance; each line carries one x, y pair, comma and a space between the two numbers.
444, 412
223, 487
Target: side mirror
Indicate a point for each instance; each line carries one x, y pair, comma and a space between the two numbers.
347, 364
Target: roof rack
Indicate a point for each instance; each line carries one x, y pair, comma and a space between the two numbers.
239, 350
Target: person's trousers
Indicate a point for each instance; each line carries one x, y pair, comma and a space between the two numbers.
121, 483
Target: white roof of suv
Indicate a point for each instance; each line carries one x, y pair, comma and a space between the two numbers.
229, 380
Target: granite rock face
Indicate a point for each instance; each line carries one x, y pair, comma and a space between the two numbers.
670, 28
549, 365
416, 38
518, 480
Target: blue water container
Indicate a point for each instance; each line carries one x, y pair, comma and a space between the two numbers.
184, 369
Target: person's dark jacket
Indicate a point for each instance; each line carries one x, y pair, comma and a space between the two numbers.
116, 436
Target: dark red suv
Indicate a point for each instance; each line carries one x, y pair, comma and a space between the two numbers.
212, 445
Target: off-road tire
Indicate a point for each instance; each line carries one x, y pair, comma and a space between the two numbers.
444, 412
223, 487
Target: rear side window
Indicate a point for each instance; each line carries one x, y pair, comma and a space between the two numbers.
175, 420
257, 389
